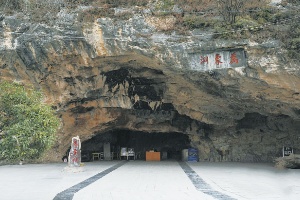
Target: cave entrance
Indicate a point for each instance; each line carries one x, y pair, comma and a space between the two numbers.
169, 144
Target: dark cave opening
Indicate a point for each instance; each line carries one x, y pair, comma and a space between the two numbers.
169, 144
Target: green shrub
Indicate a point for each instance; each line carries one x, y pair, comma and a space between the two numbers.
109, 3
194, 21
291, 38
164, 5
279, 17
262, 16
223, 31
196, 5
296, 2
241, 29
27, 126
293, 47
294, 43
10, 6
245, 23
93, 13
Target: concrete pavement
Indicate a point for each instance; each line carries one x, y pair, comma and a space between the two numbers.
140, 180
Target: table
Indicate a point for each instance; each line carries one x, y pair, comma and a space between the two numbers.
152, 156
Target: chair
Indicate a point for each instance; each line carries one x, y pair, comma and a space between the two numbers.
98, 156
130, 153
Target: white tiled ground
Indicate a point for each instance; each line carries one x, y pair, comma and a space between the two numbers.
140, 180
42, 181
251, 181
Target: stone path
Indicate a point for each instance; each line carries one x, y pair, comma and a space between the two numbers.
140, 180
200, 184
69, 193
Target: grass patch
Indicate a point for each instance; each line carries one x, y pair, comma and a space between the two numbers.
93, 13
194, 22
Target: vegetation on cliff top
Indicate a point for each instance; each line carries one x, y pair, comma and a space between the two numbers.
27, 126
225, 19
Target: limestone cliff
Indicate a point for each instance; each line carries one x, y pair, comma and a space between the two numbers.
128, 74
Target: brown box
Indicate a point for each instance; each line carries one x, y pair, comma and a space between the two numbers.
152, 156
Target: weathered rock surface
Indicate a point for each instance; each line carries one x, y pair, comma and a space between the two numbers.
126, 74
292, 161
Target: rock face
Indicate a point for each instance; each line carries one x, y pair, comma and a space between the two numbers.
128, 75
292, 161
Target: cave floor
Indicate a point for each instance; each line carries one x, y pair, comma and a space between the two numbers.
136, 180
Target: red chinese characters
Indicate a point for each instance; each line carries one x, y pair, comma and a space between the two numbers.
222, 59
75, 152
75, 143
203, 59
233, 58
75, 155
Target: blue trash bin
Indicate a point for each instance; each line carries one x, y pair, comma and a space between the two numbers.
193, 155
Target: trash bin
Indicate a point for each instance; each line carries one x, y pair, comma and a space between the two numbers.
192, 155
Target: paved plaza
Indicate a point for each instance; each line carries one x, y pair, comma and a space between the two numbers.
141, 180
